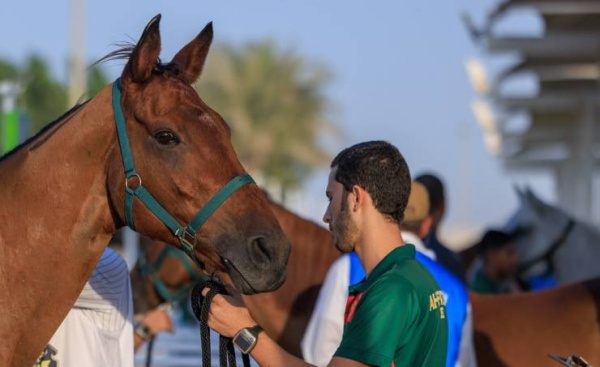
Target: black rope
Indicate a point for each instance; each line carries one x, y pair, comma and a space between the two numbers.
201, 309
149, 352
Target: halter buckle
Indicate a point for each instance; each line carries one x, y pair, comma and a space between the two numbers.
187, 240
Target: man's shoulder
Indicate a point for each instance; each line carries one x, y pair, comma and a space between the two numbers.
408, 276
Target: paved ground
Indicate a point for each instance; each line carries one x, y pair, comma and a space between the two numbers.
181, 349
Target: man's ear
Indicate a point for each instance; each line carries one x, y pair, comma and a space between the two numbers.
358, 198
425, 226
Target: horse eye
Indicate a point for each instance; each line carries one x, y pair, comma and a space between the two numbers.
166, 137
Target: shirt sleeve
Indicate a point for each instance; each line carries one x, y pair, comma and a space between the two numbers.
383, 316
106, 296
324, 331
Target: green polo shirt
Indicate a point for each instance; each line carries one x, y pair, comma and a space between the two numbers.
396, 316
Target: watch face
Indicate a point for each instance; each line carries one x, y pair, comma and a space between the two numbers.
244, 340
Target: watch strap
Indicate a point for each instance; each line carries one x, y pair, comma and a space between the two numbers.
256, 329
142, 330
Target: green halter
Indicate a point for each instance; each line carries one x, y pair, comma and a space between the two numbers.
150, 271
185, 234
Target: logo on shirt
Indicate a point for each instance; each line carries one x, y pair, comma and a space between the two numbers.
351, 304
46, 359
437, 301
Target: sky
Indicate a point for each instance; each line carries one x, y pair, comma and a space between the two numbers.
398, 75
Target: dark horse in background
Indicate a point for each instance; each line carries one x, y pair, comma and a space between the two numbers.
511, 330
162, 274
66, 191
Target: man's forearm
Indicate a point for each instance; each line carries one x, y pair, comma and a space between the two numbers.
267, 353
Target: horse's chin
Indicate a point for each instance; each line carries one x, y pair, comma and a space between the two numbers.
248, 284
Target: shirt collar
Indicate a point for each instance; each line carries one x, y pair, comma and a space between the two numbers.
414, 240
399, 254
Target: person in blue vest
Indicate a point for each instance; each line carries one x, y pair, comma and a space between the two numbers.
437, 210
324, 330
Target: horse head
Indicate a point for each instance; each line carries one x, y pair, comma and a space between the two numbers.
537, 227
181, 160
162, 274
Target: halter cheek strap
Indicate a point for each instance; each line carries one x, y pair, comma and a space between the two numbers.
134, 188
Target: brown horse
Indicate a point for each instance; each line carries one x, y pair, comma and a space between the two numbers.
522, 329
65, 192
284, 313
510, 330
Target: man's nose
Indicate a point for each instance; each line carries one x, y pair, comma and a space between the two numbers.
326, 216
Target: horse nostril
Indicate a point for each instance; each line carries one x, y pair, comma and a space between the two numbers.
260, 250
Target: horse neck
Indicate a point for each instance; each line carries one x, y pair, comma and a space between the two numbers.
55, 221
576, 259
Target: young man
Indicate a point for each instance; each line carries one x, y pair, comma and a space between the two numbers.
396, 315
325, 328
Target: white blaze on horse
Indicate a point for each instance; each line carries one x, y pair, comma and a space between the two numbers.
547, 234
146, 152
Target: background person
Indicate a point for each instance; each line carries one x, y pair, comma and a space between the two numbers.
497, 270
98, 330
437, 210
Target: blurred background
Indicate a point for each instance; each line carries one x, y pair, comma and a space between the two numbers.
299, 81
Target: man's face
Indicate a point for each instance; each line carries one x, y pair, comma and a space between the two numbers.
338, 215
505, 260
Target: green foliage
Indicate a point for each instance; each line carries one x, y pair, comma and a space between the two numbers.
44, 97
8, 71
96, 81
274, 102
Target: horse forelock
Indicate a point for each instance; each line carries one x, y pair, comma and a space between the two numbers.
125, 51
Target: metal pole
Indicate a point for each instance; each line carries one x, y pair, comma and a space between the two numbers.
77, 78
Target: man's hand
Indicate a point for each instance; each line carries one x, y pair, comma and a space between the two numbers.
228, 313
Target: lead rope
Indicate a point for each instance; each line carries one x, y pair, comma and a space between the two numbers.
201, 307
149, 352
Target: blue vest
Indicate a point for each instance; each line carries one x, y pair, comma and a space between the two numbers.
456, 293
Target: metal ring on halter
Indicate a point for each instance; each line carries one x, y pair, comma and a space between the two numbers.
127, 181
187, 239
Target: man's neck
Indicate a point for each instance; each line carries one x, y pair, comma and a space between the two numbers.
378, 239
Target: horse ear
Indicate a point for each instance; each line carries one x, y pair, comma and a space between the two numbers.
519, 192
191, 58
530, 195
145, 54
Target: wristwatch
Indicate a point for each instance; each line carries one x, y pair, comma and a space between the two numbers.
245, 339
142, 330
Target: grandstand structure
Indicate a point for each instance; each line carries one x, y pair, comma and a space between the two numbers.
555, 126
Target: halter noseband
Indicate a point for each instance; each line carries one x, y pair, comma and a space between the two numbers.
185, 234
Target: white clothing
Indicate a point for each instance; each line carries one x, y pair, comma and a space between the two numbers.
324, 332
98, 330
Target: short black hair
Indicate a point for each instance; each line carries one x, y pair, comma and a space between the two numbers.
435, 189
380, 169
494, 239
